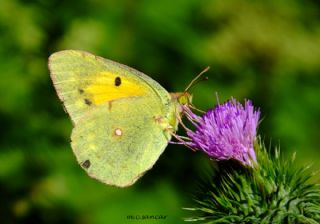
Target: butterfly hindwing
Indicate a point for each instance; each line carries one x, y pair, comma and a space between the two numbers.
118, 151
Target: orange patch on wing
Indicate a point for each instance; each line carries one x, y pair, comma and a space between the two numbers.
104, 89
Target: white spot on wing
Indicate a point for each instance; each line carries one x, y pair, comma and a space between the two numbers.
118, 132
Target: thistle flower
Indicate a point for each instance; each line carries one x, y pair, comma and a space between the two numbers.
274, 192
225, 132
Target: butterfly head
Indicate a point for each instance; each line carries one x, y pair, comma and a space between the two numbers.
182, 98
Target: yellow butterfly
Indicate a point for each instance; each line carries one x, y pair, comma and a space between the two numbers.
123, 119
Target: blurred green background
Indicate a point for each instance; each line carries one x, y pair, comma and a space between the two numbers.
267, 51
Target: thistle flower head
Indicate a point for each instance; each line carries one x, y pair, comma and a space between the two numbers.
225, 132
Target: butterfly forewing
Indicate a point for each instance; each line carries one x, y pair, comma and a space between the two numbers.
83, 80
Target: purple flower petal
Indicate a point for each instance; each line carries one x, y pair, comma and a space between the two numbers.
225, 132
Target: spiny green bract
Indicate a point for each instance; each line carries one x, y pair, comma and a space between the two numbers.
275, 191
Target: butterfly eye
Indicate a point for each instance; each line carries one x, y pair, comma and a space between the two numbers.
117, 81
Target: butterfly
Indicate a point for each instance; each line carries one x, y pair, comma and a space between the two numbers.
123, 119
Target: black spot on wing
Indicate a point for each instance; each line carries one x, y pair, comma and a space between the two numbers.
117, 81
87, 101
81, 91
86, 164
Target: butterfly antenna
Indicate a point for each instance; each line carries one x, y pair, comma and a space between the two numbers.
197, 79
